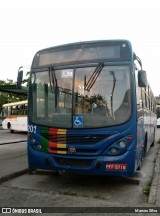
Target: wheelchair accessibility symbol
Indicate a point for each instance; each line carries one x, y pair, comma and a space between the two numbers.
78, 121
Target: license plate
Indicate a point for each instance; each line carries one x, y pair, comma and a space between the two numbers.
116, 166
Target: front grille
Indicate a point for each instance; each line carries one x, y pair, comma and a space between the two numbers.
73, 162
90, 151
75, 139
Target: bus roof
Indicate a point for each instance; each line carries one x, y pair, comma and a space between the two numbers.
15, 103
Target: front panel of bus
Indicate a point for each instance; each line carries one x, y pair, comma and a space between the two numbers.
82, 113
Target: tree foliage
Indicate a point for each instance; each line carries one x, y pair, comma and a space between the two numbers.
9, 97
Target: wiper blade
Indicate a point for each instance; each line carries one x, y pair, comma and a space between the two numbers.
88, 85
52, 80
112, 73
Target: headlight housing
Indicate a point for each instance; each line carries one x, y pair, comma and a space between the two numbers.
119, 147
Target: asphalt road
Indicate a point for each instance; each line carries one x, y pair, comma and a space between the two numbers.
47, 189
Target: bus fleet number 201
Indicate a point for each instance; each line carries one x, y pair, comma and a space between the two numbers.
32, 128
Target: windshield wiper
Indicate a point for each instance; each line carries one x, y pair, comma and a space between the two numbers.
88, 85
114, 82
53, 84
52, 80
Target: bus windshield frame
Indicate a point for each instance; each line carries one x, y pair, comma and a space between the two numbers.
83, 96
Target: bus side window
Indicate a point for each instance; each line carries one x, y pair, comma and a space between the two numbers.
139, 98
13, 110
146, 99
143, 99
19, 109
5, 112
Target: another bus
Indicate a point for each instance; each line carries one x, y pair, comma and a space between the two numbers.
158, 115
15, 116
91, 109
158, 110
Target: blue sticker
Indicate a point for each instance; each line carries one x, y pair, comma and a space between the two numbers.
78, 121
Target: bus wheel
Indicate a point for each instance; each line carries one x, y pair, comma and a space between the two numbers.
143, 154
145, 147
9, 127
141, 159
153, 140
140, 166
152, 144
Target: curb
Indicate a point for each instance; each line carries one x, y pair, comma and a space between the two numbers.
156, 176
11, 142
13, 175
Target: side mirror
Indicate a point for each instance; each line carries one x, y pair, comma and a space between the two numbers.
142, 78
19, 78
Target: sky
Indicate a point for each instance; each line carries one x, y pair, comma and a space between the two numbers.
27, 26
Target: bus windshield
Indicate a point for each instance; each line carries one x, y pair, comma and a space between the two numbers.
81, 97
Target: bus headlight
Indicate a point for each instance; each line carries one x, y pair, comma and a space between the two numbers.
113, 150
39, 147
33, 140
122, 144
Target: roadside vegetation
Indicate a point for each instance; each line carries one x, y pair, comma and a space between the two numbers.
147, 188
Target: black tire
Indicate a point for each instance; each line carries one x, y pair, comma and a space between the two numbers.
9, 127
140, 164
144, 147
143, 154
153, 140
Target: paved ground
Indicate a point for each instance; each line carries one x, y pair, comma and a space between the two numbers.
154, 197
7, 137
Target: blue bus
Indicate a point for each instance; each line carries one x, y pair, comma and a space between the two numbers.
90, 109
